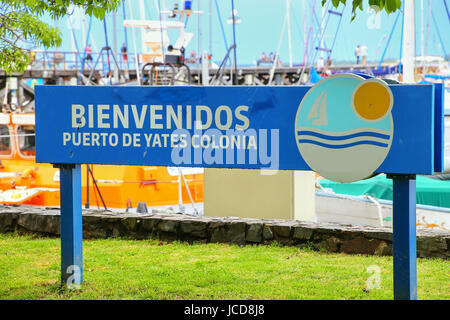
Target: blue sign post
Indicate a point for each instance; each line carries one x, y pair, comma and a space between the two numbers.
345, 127
404, 237
71, 224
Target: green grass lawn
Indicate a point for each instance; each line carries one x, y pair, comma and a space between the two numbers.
149, 269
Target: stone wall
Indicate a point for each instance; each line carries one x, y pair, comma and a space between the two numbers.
169, 227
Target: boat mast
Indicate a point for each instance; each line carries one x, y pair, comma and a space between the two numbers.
408, 42
430, 7
235, 78
142, 12
116, 70
210, 27
135, 48
82, 22
422, 32
304, 27
322, 32
199, 43
275, 60
288, 9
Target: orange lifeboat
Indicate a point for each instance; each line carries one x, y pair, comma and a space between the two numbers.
23, 181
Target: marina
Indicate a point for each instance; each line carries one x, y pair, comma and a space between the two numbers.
160, 121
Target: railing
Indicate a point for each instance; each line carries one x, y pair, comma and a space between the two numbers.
68, 60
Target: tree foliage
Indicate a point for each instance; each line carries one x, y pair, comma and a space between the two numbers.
21, 25
389, 6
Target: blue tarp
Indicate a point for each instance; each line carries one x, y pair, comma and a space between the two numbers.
315, 77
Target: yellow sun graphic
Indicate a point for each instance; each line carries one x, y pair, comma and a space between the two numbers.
372, 100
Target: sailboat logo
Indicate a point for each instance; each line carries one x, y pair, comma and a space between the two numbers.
344, 127
319, 111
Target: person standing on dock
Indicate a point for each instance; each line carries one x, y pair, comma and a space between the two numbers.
88, 54
357, 53
124, 52
193, 58
321, 65
364, 53
262, 59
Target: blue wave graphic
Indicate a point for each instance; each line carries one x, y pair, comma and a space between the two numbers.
345, 137
342, 146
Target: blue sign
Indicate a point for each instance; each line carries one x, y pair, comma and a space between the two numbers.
241, 127
345, 127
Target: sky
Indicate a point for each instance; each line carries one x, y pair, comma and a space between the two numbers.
262, 25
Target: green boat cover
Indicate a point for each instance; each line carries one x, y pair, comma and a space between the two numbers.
432, 192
